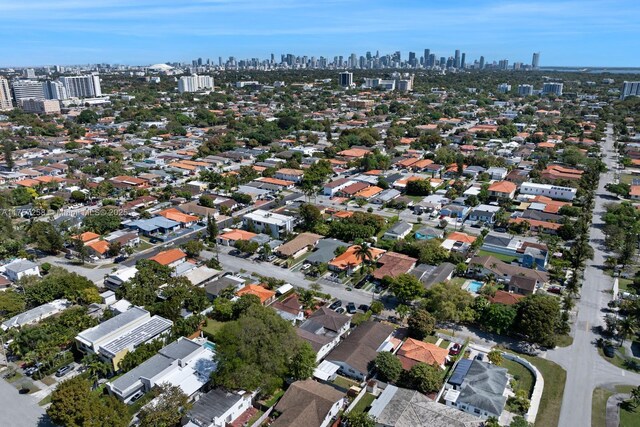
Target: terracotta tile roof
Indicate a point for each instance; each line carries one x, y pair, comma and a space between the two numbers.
635, 190
257, 290
287, 171
414, 351
507, 298
394, 264
349, 259
237, 235
275, 181
167, 257
100, 246
461, 237
354, 152
536, 223
505, 187
369, 192
87, 236
175, 215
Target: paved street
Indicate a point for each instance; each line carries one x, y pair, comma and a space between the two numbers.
232, 263
586, 369
18, 410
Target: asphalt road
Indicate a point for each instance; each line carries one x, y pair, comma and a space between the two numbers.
18, 410
235, 264
586, 369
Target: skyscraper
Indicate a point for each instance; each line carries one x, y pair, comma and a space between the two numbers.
194, 83
412, 59
535, 61
5, 95
456, 59
552, 87
54, 90
630, 89
427, 54
82, 86
346, 79
27, 89
463, 60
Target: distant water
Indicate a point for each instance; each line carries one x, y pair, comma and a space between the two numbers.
593, 70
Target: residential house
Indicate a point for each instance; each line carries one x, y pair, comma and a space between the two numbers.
230, 238
385, 196
634, 192
393, 264
431, 275
518, 279
276, 225
455, 211
112, 339
355, 353
218, 408
293, 175
333, 187
116, 279
428, 233
170, 258
506, 298
265, 295
557, 172
477, 388
308, 403
401, 407
289, 308
350, 262
173, 214
325, 251
502, 190
154, 227
184, 363
458, 242
20, 268
496, 173
529, 254
214, 287
484, 213
414, 351
398, 231
299, 245
37, 314
323, 330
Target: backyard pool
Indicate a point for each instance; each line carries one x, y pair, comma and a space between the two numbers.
474, 286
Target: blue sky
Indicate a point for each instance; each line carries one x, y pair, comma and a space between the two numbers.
566, 32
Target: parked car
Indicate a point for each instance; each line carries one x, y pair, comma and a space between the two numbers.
363, 307
351, 308
270, 258
120, 258
136, 396
455, 349
305, 267
340, 310
609, 351
334, 305
480, 356
554, 289
64, 371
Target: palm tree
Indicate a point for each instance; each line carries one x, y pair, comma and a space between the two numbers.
635, 396
363, 252
626, 328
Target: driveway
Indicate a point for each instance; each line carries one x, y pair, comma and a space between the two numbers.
586, 369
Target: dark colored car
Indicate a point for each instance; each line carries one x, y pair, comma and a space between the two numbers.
609, 351
480, 356
351, 308
335, 304
455, 349
363, 307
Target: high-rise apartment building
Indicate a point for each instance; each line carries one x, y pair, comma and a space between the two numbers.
346, 79
456, 59
27, 89
41, 106
535, 61
481, 65
504, 87
82, 86
55, 90
630, 89
525, 90
427, 58
194, 83
5, 95
553, 88
29, 73
463, 60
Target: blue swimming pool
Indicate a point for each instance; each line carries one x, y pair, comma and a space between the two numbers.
210, 346
474, 286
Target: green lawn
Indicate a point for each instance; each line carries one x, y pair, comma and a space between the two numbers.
212, 327
522, 375
363, 403
626, 178
564, 341
273, 399
551, 401
505, 258
254, 418
343, 382
623, 284
431, 338
599, 408
45, 401
458, 281
444, 344
628, 363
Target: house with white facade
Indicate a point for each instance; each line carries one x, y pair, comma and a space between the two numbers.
262, 221
553, 191
20, 268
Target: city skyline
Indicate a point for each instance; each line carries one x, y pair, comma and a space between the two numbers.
567, 33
